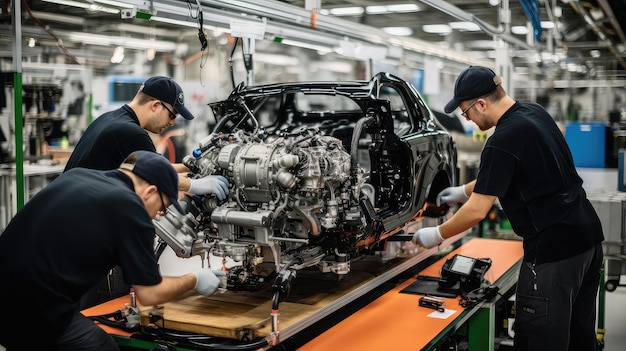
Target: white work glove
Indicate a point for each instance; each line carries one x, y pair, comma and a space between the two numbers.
207, 280
452, 195
212, 184
427, 237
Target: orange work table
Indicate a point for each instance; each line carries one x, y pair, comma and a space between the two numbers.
395, 321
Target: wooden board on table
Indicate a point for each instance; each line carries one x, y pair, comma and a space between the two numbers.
240, 314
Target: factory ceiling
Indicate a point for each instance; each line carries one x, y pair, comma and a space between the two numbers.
584, 38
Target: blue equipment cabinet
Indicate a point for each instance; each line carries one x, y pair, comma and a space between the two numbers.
587, 141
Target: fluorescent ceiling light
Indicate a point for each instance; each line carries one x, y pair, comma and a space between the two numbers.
595, 53
91, 7
116, 3
442, 29
118, 55
59, 18
464, 26
547, 24
399, 8
375, 10
150, 54
319, 48
133, 43
399, 31
346, 11
403, 8
174, 21
519, 30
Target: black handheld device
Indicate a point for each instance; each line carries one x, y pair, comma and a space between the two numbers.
466, 270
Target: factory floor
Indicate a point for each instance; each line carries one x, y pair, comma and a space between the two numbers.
615, 318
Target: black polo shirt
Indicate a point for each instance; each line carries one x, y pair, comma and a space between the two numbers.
109, 139
527, 164
65, 240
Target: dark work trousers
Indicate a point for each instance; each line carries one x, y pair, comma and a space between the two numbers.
555, 304
82, 334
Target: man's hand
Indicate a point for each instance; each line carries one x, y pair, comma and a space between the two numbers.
452, 195
427, 237
212, 184
207, 280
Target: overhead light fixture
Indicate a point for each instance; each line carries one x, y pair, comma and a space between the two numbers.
596, 14
115, 3
399, 8
319, 48
174, 21
90, 7
31, 42
118, 55
347, 11
519, 30
59, 18
150, 54
134, 43
547, 24
442, 29
595, 53
494, 2
399, 31
465, 26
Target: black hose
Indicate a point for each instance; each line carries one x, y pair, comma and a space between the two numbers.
230, 62
200, 341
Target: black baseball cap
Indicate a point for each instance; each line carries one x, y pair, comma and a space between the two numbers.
472, 83
156, 170
167, 90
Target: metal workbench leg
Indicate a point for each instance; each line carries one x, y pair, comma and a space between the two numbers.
482, 329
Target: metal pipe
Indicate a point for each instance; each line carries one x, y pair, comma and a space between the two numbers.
462, 15
576, 5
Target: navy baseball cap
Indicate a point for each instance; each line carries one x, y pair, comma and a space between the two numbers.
472, 83
167, 90
156, 170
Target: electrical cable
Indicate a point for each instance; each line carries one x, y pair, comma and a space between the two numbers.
230, 61
200, 341
47, 29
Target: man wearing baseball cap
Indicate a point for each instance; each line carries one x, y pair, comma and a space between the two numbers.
528, 166
70, 234
115, 134
110, 138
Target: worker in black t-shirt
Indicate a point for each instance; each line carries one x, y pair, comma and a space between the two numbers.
69, 235
528, 166
110, 138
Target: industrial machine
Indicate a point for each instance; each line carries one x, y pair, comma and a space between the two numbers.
320, 174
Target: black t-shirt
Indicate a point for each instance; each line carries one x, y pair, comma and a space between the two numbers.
109, 139
527, 164
64, 240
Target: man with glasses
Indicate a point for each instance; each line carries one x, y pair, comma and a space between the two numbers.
110, 138
68, 236
528, 166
